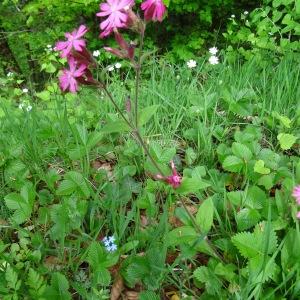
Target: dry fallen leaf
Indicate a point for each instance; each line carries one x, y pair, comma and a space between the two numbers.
117, 288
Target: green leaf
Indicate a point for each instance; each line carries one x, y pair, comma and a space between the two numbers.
205, 214
101, 276
59, 287
247, 218
181, 235
286, 140
247, 244
44, 95
115, 126
21, 203
212, 282
241, 151
232, 163
192, 185
146, 114
148, 295
260, 168
74, 181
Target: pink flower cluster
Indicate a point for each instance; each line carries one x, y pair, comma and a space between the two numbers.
174, 180
79, 60
118, 14
296, 195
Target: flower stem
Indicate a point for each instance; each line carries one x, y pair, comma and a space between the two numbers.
138, 75
135, 131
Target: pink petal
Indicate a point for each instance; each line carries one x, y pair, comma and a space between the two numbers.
61, 45
80, 71
79, 45
82, 30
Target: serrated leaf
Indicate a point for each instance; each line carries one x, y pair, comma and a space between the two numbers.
286, 140
205, 275
74, 181
148, 295
246, 243
232, 163
205, 214
101, 276
241, 151
260, 168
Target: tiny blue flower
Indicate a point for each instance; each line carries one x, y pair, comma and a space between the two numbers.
109, 243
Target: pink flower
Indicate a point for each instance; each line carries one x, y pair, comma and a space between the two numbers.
68, 80
296, 194
73, 41
116, 13
174, 180
153, 10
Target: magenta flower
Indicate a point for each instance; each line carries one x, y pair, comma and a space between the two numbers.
153, 10
296, 194
116, 13
73, 42
68, 80
174, 180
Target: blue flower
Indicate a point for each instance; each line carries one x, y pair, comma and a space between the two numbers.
109, 243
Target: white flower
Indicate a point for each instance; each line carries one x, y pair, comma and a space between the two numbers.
191, 64
246, 12
177, 77
110, 68
21, 105
9, 74
118, 65
25, 90
96, 53
233, 16
49, 46
213, 60
213, 50
29, 108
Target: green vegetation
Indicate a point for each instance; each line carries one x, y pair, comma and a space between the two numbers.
87, 213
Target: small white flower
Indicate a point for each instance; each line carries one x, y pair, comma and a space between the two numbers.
110, 68
213, 50
49, 46
21, 105
177, 77
191, 64
25, 90
9, 74
246, 12
213, 60
126, 7
233, 16
118, 65
29, 108
96, 53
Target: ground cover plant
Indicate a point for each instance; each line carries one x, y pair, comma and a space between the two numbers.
157, 182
